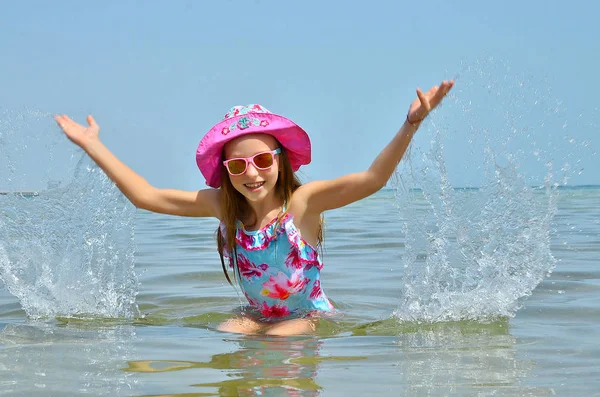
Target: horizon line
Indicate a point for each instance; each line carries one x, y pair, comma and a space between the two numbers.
37, 192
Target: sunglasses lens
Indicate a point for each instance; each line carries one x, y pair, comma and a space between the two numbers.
263, 160
236, 167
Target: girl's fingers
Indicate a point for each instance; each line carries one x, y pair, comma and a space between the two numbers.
441, 92
439, 95
91, 121
60, 120
65, 123
423, 99
68, 123
447, 86
64, 120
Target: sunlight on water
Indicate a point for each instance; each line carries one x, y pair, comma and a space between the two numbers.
68, 250
475, 253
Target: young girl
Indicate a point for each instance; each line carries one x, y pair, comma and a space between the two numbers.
270, 225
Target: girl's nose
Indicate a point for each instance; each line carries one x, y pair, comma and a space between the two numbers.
251, 170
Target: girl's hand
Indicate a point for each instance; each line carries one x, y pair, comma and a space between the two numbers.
425, 103
77, 133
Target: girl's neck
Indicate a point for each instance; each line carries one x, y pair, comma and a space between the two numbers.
265, 210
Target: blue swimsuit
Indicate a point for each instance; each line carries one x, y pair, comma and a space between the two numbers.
279, 271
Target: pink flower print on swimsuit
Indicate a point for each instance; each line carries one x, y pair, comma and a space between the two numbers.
316, 290
281, 287
295, 260
275, 311
280, 272
249, 270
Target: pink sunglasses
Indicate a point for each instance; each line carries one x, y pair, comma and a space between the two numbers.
261, 161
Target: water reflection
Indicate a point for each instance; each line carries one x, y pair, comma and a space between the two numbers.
260, 366
41, 359
464, 358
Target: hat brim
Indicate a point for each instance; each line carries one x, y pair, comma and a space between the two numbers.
291, 137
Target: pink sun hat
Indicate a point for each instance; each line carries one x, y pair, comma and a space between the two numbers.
244, 120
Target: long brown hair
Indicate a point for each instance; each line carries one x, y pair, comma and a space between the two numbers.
234, 206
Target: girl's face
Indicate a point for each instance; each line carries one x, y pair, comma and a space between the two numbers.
255, 184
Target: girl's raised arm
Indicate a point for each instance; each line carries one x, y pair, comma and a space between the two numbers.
320, 196
134, 187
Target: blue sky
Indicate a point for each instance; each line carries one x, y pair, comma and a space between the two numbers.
157, 75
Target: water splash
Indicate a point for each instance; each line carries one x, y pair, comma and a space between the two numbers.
475, 253
68, 250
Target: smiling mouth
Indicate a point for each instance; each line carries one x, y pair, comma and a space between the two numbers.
254, 185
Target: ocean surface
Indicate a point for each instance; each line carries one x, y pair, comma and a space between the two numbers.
122, 302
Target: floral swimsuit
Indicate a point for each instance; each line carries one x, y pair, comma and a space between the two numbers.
279, 272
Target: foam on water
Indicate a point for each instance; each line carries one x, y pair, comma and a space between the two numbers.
69, 250
475, 253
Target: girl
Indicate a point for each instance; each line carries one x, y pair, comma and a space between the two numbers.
270, 224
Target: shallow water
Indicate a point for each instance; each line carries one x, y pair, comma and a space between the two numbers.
548, 348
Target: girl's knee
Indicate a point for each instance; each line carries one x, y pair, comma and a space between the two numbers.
241, 325
292, 327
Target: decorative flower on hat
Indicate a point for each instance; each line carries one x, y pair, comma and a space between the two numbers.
244, 123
